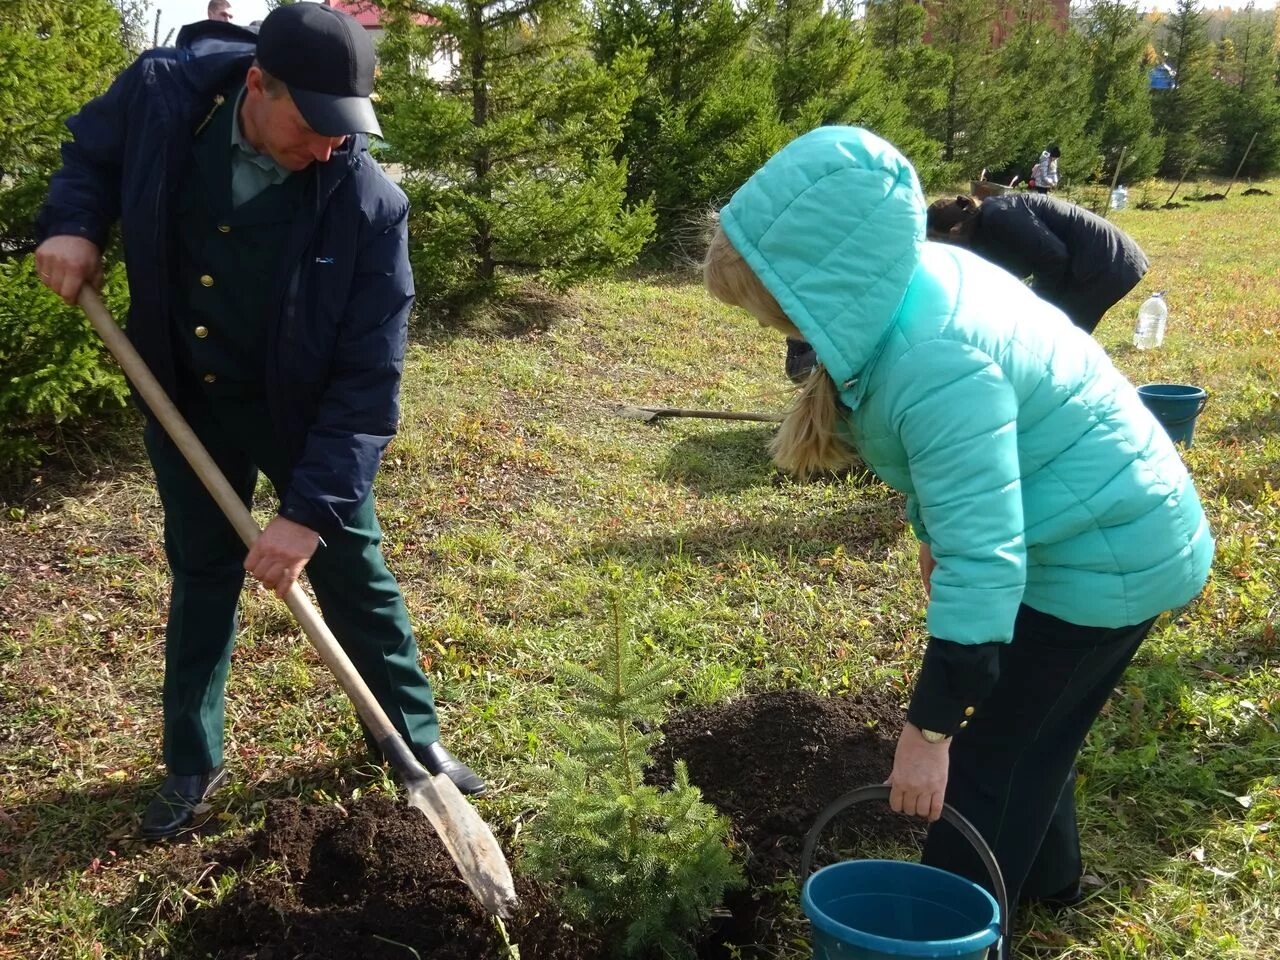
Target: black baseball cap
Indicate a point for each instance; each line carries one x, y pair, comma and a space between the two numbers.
326, 60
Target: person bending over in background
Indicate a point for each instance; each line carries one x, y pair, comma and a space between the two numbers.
1077, 261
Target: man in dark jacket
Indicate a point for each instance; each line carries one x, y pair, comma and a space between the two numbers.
1076, 261
270, 291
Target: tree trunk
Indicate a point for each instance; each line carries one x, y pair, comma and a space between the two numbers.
480, 162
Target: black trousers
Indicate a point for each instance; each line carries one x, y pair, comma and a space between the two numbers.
1013, 768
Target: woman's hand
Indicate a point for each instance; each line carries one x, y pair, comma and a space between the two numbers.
926, 568
919, 778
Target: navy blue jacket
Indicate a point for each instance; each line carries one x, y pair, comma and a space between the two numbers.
338, 327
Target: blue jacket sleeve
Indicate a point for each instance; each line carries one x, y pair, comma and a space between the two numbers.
84, 195
360, 408
956, 416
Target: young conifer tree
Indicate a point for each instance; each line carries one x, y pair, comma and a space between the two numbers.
969, 121
1048, 100
826, 69
645, 864
1120, 104
506, 129
1187, 112
705, 118
1250, 97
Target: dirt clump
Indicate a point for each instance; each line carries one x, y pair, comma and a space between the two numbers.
772, 762
370, 881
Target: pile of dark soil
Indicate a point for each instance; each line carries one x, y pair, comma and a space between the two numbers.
1257, 192
1209, 196
372, 880
771, 762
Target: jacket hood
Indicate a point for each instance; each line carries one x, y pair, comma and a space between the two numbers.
833, 226
216, 36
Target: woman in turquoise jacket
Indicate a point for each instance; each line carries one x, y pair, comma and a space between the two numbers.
1056, 520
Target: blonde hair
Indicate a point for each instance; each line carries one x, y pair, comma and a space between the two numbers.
809, 440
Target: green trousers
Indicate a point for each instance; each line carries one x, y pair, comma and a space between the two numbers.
358, 596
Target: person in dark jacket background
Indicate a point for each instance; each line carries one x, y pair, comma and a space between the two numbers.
1077, 261
270, 288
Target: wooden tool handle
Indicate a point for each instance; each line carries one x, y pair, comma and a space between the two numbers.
716, 414
135, 368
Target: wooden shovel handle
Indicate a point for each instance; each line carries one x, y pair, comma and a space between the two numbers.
135, 368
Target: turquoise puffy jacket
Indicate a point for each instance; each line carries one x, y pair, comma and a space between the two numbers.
1029, 463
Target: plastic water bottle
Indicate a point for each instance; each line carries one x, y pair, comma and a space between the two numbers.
1119, 198
1148, 332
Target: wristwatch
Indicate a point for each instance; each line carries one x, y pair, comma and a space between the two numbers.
933, 736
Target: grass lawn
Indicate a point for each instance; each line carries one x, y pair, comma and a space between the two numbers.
515, 505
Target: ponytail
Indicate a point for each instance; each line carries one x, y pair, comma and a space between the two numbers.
809, 439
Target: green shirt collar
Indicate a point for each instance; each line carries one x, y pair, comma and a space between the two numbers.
243, 150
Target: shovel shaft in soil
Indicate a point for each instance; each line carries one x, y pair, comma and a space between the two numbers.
656, 413
465, 835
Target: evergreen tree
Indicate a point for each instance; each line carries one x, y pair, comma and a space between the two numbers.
896, 27
1120, 110
969, 121
705, 119
1250, 98
510, 160
1048, 70
1186, 114
916, 70
825, 71
56, 56
648, 865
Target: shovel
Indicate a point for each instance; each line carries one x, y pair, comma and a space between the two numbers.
649, 414
465, 835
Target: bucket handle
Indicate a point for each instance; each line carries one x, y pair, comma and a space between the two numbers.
1199, 410
949, 814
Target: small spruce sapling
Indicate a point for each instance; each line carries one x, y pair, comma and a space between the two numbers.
645, 864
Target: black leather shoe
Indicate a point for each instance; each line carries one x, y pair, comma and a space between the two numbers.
439, 760
173, 808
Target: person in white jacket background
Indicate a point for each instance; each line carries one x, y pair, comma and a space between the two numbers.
1044, 175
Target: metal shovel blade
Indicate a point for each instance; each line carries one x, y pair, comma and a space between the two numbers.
470, 842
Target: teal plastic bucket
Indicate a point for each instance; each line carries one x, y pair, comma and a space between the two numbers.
881, 909
886, 909
1176, 406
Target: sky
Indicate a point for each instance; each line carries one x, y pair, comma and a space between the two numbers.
174, 13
